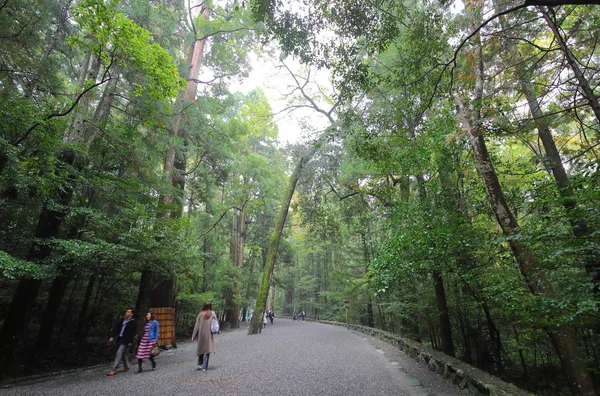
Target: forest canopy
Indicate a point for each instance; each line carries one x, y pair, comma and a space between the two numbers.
452, 197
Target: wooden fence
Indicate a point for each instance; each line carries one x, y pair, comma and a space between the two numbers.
166, 321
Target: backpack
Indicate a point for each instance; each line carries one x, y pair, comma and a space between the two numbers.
214, 326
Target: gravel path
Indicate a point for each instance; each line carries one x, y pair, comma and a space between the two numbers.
288, 358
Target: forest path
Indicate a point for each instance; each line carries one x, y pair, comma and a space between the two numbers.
288, 358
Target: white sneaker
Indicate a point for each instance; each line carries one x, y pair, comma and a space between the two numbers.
199, 368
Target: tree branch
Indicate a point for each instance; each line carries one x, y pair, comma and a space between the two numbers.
62, 114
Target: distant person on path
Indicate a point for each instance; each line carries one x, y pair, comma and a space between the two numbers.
302, 315
271, 315
148, 341
264, 320
206, 344
124, 331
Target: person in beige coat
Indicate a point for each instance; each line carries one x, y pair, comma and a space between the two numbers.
206, 344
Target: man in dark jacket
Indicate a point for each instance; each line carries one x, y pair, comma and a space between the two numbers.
123, 332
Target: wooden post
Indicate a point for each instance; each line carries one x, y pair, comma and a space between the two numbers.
346, 302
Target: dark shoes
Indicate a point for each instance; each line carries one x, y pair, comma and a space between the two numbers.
139, 370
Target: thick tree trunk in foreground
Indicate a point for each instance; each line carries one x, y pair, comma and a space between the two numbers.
263, 291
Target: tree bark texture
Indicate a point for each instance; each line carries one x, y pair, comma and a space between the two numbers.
562, 338
443, 315
263, 291
171, 206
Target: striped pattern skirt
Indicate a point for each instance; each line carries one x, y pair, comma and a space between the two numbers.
146, 345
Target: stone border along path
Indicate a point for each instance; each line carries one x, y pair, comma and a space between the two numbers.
288, 358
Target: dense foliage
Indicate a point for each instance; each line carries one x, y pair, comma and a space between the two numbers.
453, 197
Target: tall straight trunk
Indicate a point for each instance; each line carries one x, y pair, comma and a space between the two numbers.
440, 292
50, 220
84, 306
144, 298
61, 282
239, 262
263, 291
230, 292
55, 297
17, 316
367, 259
170, 205
443, 315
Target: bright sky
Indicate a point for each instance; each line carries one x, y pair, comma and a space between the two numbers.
276, 83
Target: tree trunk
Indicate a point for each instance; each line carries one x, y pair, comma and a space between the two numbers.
562, 339
588, 92
240, 233
17, 316
440, 292
174, 165
84, 306
444, 317
57, 292
573, 365
552, 161
263, 291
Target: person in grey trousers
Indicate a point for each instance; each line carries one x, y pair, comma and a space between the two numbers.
123, 332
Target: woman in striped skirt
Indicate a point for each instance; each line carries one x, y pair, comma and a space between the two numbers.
149, 339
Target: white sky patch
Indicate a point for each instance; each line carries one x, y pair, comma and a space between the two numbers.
277, 84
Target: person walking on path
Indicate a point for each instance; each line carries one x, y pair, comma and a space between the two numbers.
148, 341
206, 344
124, 331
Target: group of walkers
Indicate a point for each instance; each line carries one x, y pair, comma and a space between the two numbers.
299, 316
267, 316
124, 333
125, 330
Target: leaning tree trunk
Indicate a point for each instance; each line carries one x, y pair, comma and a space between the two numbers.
263, 291
584, 84
552, 161
562, 338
